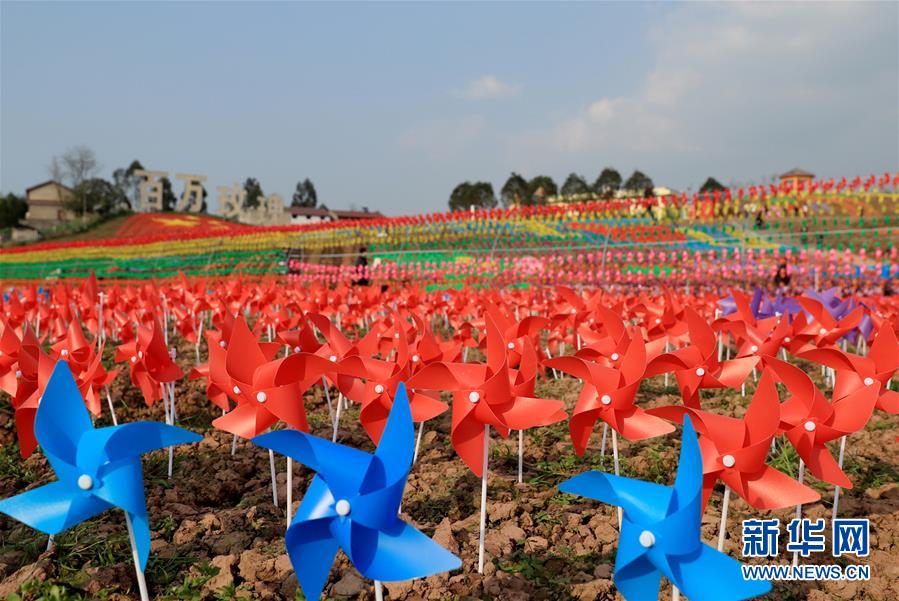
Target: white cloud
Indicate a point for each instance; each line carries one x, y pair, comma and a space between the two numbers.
488, 87
735, 84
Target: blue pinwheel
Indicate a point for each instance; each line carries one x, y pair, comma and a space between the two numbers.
660, 533
98, 469
352, 504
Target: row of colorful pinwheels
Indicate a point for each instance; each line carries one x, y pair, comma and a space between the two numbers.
373, 348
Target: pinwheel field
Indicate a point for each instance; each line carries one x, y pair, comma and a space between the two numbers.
417, 421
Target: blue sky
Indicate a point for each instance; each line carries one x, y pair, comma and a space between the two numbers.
389, 105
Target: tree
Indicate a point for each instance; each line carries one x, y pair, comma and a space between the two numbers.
711, 185
608, 182
169, 200
96, 195
12, 208
305, 195
575, 184
639, 183
254, 193
514, 191
74, 166
540, 188
478, 195
128, 183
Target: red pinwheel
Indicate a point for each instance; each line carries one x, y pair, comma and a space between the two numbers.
696, 366
854, 372
825, 330
85, 364
266, 390
608, 394
381, 381
734, 451
9, 358
149, 361
34, 370
809, 421
483, 395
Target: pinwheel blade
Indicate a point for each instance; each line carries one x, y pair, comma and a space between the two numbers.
640, 498
62, 419
711, 575
53, 507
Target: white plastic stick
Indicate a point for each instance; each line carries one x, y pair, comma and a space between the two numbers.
602, 444
289, 489
615, 457
836, 489
520, 455
379, 591
421, 427
722, 528
115, 421
234, 445
271, 462
483, 523
799, 507
675, 594
141, 581
328, 399
336, 420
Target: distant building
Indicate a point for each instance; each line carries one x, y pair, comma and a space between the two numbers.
793, 177
47, 205
301, 215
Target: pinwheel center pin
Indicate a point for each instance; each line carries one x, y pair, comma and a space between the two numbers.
222, 343
754, 348
474, 396
296, 349
64, 352
647, 539
342, 507
700, 372
822, 331
236, 390
333, 358
810, 426
18, 373
415, 358
787, 339
728, 461
140, 354
134, 358
261, 397
511, 345
85, 482
605, 399
615, 356
868, 381
658, 321
379, 389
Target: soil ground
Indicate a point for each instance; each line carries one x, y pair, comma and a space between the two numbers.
217, 534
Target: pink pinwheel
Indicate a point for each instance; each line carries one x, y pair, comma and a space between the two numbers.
697, 366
